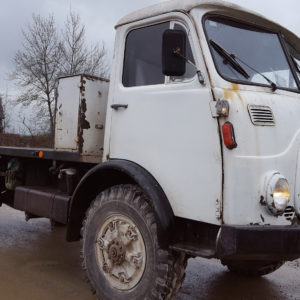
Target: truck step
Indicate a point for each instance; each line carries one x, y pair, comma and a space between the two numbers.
44, 202
195, 250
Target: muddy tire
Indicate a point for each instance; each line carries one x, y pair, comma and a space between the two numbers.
253, 268
120, 249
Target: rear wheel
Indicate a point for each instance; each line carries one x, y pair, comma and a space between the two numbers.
121, 254
254, 268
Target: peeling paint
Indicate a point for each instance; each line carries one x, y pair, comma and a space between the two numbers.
84, 124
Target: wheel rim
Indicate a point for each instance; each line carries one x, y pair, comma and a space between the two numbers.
120, 252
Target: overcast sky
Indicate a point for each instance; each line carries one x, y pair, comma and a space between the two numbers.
100, 16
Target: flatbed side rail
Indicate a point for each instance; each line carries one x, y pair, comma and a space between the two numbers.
39, 153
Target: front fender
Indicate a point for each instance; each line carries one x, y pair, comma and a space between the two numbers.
112, 173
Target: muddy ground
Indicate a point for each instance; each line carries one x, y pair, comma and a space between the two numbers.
37, 263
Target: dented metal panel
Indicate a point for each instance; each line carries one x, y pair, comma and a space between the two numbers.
81, 112
93, 105
67, 114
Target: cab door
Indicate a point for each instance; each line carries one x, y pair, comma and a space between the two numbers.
165, 124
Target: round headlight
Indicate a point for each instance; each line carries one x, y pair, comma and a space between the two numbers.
278, 194
281, 194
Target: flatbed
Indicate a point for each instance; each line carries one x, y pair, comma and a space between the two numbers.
40, 153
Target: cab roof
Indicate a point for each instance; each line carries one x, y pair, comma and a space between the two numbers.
224, 7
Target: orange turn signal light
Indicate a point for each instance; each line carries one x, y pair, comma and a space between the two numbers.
228, 135
41, 154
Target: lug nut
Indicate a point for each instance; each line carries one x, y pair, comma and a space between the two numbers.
105, 268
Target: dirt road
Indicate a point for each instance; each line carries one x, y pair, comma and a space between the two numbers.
37, 263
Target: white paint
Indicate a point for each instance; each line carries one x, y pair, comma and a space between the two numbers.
96, 94
168, 130
297, 185
70, 105
66, 129
174, 5
213, 5
261, 149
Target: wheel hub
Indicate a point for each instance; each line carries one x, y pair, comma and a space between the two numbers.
121, 252
116, 252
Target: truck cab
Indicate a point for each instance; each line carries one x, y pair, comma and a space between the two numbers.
218, 129
178, 114
200, 151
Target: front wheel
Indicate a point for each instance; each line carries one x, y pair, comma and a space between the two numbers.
121, 254
253, 268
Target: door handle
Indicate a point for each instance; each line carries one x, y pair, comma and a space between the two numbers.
117, 106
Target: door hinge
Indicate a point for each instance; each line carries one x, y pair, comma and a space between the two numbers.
219, 108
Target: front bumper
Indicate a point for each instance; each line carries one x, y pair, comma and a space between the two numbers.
259, 242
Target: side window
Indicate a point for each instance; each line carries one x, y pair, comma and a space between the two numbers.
190, 69
143, 56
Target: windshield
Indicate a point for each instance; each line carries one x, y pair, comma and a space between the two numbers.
259, 53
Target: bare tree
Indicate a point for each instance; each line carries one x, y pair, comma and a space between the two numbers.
77, 56
45, 56
37, 65
5, 115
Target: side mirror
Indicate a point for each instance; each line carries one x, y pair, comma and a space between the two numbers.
174, 52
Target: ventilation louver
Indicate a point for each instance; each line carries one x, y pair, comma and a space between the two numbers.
261, 115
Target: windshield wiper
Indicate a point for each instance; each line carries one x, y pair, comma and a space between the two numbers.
272, 84
230, 58
233, 60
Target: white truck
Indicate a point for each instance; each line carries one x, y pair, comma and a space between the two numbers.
191, 149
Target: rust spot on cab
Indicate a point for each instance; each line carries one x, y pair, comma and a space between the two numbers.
235, 86
231, 94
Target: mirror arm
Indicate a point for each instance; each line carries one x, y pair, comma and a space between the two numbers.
199, 73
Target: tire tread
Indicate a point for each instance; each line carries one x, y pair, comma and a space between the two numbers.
170, 267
